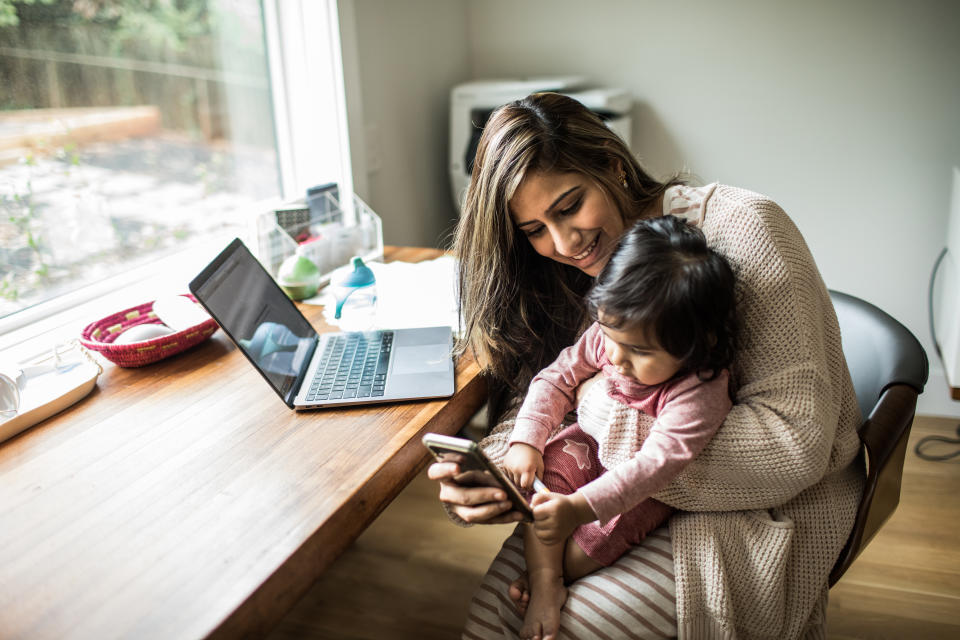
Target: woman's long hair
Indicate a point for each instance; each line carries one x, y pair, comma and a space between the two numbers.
519, 308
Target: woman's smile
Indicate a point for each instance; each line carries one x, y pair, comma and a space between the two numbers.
594, 257
586, 252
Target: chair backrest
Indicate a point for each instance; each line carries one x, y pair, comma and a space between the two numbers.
889, 369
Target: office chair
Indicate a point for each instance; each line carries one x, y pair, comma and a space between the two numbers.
889, 369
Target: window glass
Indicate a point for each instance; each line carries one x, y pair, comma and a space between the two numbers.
128, 129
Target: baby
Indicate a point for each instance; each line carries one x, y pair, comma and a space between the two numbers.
664, 336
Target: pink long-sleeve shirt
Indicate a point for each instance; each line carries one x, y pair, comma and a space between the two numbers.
688, 412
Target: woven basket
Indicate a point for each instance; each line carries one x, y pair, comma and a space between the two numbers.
100, 336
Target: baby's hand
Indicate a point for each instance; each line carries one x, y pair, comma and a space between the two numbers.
523, 463
555, 515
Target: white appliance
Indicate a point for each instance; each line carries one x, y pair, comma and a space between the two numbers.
948, 319
472, 103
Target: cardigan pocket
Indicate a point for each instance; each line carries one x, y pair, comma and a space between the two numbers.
734, 568
760, 599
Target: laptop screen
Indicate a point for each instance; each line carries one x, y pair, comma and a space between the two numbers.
259, 317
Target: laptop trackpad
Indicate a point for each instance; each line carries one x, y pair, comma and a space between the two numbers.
424, 358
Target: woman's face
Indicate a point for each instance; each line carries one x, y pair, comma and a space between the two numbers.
567, 218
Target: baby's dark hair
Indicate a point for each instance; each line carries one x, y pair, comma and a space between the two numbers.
664, 277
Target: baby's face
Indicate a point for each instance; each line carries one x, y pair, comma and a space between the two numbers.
636, 355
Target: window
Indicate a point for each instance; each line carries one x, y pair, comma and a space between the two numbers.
132, 129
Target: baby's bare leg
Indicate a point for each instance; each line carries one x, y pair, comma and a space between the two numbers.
576, 563
547, 590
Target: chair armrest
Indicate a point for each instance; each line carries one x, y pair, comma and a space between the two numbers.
884, 435
889, 421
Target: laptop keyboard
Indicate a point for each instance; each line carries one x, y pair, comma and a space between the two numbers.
353, 365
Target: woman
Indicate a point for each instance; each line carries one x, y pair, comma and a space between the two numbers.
767, 506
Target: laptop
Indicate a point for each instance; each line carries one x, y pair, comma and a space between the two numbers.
310, 370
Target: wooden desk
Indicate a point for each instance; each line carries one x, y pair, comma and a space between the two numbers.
185, 500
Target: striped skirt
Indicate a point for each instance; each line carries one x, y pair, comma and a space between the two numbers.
633, 598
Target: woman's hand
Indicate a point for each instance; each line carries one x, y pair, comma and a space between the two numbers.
477, 505
555, 515
585, 386
522, 464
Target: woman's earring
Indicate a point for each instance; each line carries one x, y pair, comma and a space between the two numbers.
623, 178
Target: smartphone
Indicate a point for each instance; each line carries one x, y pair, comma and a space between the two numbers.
476, 469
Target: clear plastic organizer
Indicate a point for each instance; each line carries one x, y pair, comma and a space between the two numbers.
322, 228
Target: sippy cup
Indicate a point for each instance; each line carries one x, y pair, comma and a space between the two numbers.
358, 282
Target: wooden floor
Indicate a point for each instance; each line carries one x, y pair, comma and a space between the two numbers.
411, 574
906, 584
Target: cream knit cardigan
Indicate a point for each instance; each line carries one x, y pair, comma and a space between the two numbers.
768, 505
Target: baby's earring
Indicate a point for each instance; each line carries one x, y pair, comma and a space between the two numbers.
623, 178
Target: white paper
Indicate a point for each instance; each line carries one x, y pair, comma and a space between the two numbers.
408, 294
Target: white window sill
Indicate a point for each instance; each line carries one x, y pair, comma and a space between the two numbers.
36, 330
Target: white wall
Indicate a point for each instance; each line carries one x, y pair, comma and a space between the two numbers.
401, 60
847, 112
